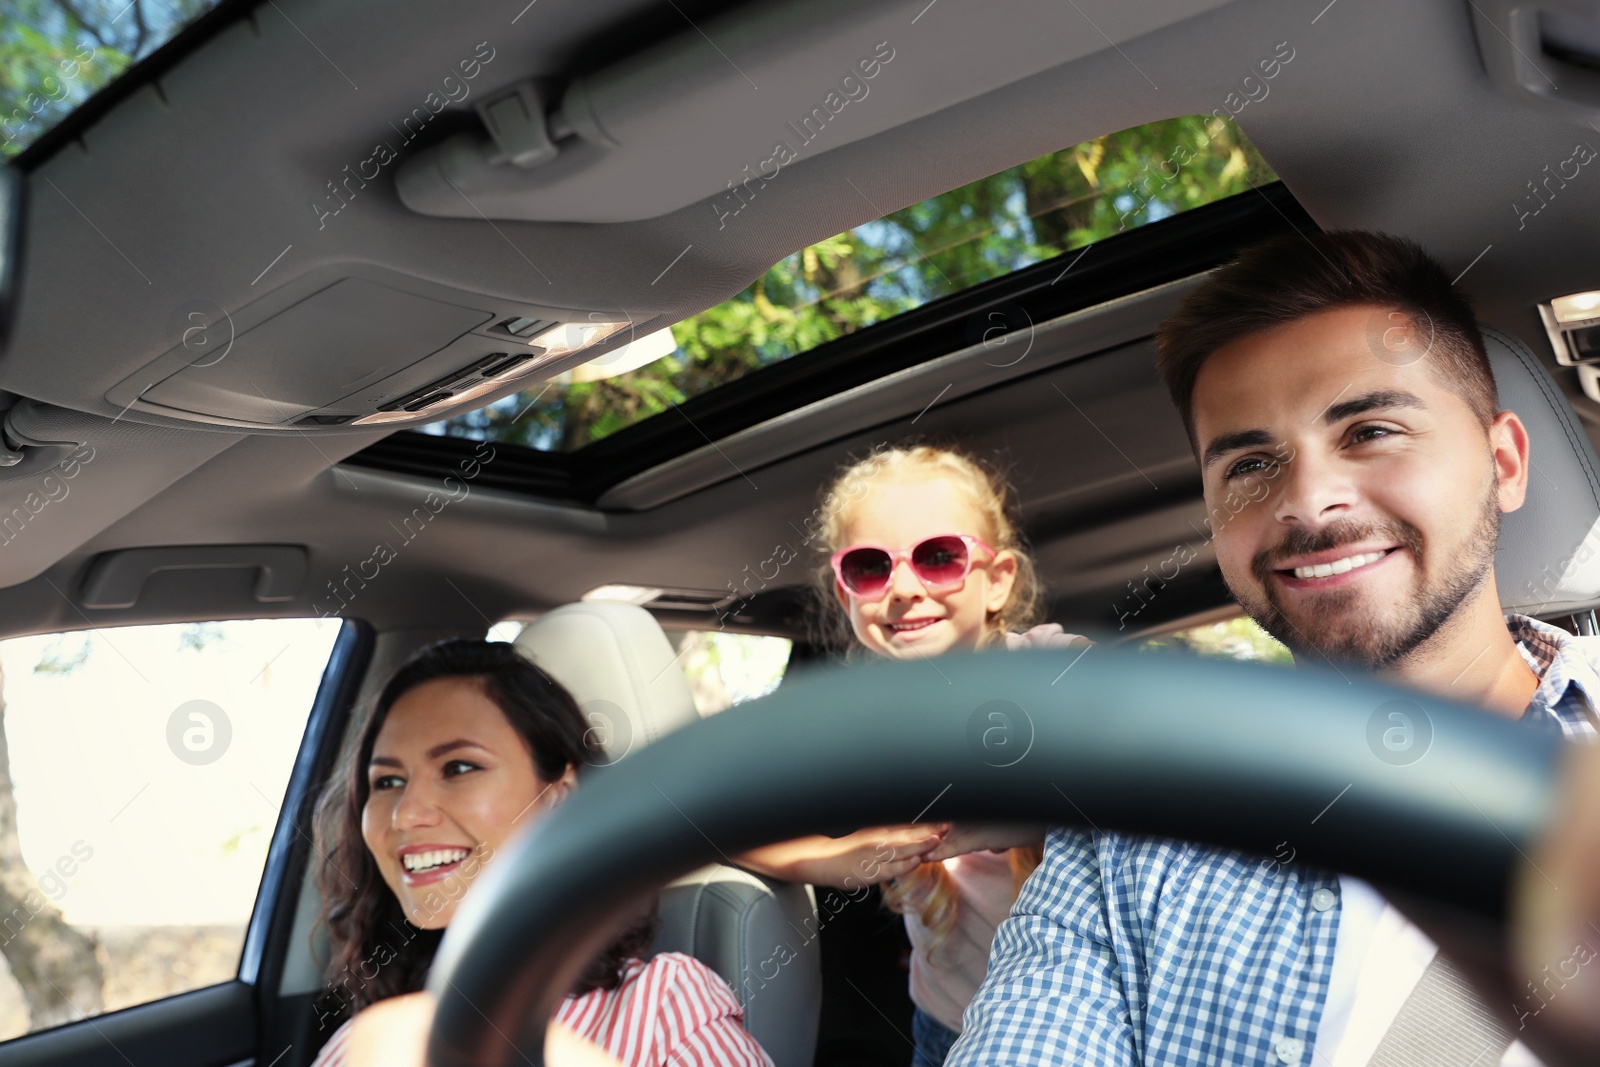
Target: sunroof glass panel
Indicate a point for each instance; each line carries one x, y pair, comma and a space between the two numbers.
1051, 207
55, 54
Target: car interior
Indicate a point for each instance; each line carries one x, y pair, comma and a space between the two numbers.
280, 350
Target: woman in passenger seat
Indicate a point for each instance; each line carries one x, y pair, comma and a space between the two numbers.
467, 743
926, 558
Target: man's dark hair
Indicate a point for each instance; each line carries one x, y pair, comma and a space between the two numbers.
1291, 277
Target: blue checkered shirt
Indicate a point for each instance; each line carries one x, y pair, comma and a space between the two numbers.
1123, 949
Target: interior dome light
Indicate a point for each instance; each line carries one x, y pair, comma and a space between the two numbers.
565, 338
630, 357
1577, 306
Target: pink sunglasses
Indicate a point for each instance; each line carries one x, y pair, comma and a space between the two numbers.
865, 571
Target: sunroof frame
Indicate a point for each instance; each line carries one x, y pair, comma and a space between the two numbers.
146, 71
1179, 246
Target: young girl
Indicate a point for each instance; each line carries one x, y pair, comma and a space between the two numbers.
926, 558
468, 742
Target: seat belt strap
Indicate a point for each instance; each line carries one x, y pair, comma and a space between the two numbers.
1443, 1023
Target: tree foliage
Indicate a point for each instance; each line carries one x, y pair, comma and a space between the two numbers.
55, 54
1043, 209
57, 967
1238, 638
64, 655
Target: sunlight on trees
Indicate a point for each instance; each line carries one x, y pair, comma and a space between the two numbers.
1040, 210
1238, 638
724, 669
55, 54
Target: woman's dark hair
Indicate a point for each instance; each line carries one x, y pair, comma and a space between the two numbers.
376, 953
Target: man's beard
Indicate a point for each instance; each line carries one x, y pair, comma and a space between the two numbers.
1374, 640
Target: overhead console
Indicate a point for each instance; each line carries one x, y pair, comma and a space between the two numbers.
359, 346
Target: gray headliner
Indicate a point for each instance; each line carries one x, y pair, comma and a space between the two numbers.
1384, 119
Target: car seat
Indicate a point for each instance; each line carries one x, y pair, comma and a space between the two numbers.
619, 666
1548, 559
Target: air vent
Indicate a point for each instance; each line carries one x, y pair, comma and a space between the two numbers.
522, 326
683, 600
780, 609
662, 599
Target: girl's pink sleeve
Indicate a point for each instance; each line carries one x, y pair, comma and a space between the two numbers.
702, 1021
335, 1053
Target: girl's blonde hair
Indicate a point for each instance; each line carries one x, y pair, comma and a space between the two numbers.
929, 892
983, 486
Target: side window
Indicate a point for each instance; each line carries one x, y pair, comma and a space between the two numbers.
725, 669
141, 772
1237, 638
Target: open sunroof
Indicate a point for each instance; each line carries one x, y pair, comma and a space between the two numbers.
56, 54
1054, 206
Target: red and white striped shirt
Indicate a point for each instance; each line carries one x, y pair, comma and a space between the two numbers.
673, 1011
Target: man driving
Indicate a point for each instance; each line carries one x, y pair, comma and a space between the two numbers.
1339, 385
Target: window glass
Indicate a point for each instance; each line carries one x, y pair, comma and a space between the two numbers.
725, 669
55, 55
146, 768
1050, 207
1238, 638
504, 631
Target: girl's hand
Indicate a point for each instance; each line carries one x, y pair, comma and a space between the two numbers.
394, 1033
866, 857
974, 837
1046, 635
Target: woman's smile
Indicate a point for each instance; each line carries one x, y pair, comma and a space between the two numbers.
428, 863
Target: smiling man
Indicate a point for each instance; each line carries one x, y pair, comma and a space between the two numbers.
1378, 535
1339, 385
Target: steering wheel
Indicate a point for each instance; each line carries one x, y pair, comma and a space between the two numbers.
1414, 794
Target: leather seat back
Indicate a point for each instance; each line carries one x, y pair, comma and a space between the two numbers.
619, 666
760, 935
1548, 559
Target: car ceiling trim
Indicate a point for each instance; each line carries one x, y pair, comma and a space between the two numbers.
970, 370
411, 491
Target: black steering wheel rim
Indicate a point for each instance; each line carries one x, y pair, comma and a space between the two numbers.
1427, 798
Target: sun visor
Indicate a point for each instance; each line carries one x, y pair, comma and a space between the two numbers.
720, 109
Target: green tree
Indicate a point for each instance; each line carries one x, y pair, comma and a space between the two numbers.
65, 654
1040, 210
58, 968
55, 54
1238, 638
